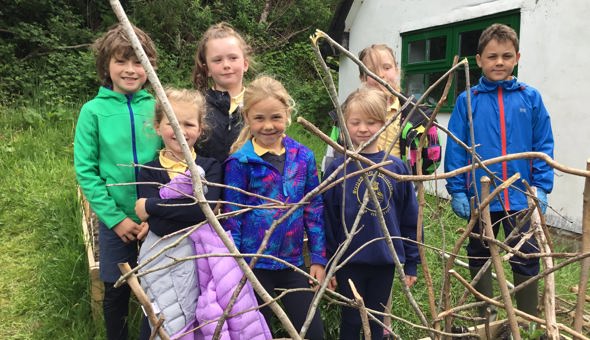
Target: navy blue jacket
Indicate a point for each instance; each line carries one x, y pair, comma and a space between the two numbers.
397, 203
164, 220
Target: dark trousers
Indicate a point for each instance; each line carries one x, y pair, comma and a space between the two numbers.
116, 309
479, 251
373, 283
116, 300
296, 303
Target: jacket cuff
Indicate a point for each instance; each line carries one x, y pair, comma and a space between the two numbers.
410, 268
318, 259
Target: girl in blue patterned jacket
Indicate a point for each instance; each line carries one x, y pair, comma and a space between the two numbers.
266, 162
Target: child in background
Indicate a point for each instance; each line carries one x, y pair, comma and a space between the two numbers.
266, 162
221, 60
184, 298
508, 117
111, 130
372, 268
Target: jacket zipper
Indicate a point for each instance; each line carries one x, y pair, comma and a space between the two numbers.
504, 147
133, 138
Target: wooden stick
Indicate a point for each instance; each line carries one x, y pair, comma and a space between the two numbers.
585, 269
143, 299
517, 312
549, 297
497, 261
358, 299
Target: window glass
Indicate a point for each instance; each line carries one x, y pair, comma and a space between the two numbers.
418, 83
468, 43
474, 74
438, 48
417, 51
427, 50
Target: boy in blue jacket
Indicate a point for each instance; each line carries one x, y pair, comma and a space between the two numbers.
508, 117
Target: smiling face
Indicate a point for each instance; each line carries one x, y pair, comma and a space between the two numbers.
361, 128
188, 119
268, 120
498, 59
226, 64
127, 74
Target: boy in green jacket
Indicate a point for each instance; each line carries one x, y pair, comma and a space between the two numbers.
115, 130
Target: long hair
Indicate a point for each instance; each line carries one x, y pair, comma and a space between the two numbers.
217, 31
116, 43
372, 59
261, 88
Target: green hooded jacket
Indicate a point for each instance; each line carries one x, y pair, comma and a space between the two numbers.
113, 132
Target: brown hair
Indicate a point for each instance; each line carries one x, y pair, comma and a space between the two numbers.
193, 97
370, 57
217, 31
262, 88
116, 43
499, 32
370, 101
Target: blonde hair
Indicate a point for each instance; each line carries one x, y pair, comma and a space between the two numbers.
217, 31
261, 88
192, 97
370, 101
116, 43
372, 59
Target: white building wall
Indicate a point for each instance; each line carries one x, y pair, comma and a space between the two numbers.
555, 49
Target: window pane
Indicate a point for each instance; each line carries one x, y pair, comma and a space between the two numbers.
417, 84
417, 51
474, 74
438, 48
437, 92
468, 43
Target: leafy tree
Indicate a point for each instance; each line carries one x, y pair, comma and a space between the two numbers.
46, 59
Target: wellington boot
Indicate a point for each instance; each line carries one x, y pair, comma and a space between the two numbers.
527, 299
485, 287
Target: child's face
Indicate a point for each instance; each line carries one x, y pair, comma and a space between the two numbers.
128, 75
188, 119
226, 64
361, 128
268, 121
385, 69
498, 59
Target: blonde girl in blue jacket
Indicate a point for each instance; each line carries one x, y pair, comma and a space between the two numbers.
267, 162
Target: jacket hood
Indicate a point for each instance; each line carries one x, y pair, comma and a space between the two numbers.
106, 93
486, 85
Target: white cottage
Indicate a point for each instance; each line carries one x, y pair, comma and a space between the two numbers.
554, 46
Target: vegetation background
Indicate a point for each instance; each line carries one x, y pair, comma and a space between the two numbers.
47, 72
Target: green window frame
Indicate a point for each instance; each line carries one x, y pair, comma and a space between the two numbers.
428, 53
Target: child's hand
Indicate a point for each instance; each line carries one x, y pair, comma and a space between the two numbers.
140, 209
127, 230
318, 272
144, 230
333, 284
410, 280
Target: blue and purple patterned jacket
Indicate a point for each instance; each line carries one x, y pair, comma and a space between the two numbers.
246, 170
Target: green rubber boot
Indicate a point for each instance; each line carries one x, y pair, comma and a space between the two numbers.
527, 299
485, 287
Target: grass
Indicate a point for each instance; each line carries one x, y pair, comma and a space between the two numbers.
44, 278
